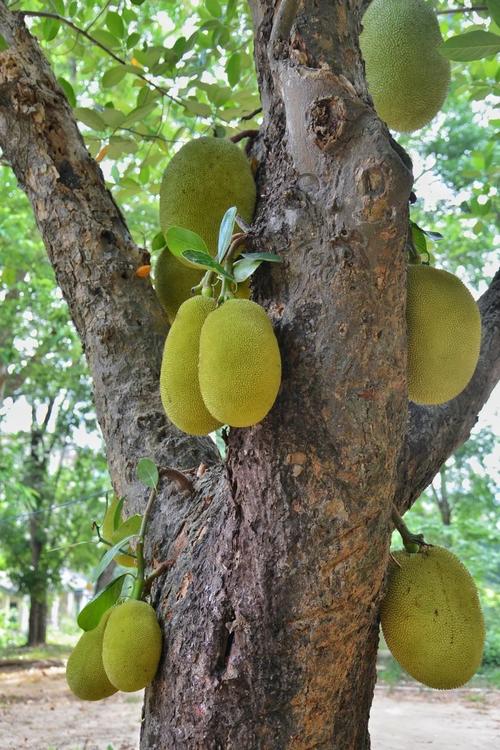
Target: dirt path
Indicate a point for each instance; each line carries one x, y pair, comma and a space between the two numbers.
38, 712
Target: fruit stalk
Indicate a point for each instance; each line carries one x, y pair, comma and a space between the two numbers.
409, 539
139, 583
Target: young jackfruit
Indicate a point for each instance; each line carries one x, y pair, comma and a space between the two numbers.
113, 535
444, 335
174, 281
85, 673
205, 178
240, 365
407, 76
179, 385
131, 647
431, 618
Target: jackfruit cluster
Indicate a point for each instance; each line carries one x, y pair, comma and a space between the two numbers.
444, 335
431, 618
220, 365
204, 178
407, 77
121, 653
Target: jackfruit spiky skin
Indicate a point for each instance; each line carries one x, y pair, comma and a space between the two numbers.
444, 335
131, 647
174, 281
85, 672
205, 178
240, 364
431, 618
179, 384
407, 77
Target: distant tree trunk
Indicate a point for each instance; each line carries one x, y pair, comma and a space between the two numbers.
270, 611
37, 632
442, 499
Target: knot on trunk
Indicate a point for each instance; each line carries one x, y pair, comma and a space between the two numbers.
371, 183
328, 121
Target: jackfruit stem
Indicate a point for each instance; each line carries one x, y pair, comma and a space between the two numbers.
227, 292
141, 565
409, 539
110, 544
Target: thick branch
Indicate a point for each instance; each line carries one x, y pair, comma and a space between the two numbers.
435, 432
117, 314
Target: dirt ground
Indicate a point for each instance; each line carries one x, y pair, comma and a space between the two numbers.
38, 712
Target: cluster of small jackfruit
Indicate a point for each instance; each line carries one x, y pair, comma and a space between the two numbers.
221, 365
444, 335
431, 618
407, 76
121, 653
205, 177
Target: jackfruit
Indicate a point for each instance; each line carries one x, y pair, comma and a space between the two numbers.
131, 647
431, 618
240, 365
85, 673
179, 385
174, 281
407, 76
444, 335
205, 178
112, 535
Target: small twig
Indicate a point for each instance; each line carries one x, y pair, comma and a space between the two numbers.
244, 134
94, 41
123, 551
461, 10
177, 476
158, 571
252, 114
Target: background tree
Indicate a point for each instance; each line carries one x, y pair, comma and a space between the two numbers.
270, 612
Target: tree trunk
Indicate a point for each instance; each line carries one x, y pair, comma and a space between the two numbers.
37, 628
269, 613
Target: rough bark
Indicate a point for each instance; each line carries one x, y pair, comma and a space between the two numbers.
269, 612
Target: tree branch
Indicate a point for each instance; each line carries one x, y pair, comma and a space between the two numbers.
434, 432
96, 43
461, 10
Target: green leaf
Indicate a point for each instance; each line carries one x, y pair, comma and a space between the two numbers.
197, 108
233, 69
226, 232
111, 553
213, 8
3, 43
131, 526
203, 260
179, 240
90, 118
244, 268
114, 75
112, 117
133, 39
50, 27
105, 38
158, 241
68, 90
494, 10
418, 237
115, 24
472, 45
263, 257
147, 472
138, 114
90, 616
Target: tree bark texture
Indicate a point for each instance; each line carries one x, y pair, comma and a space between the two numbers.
269, 612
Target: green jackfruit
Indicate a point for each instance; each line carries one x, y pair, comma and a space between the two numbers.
179, 385
431, 618
131, 647
174, 281
85, 673
240, 365
444, 335
407, 76
112, 535
205, 178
